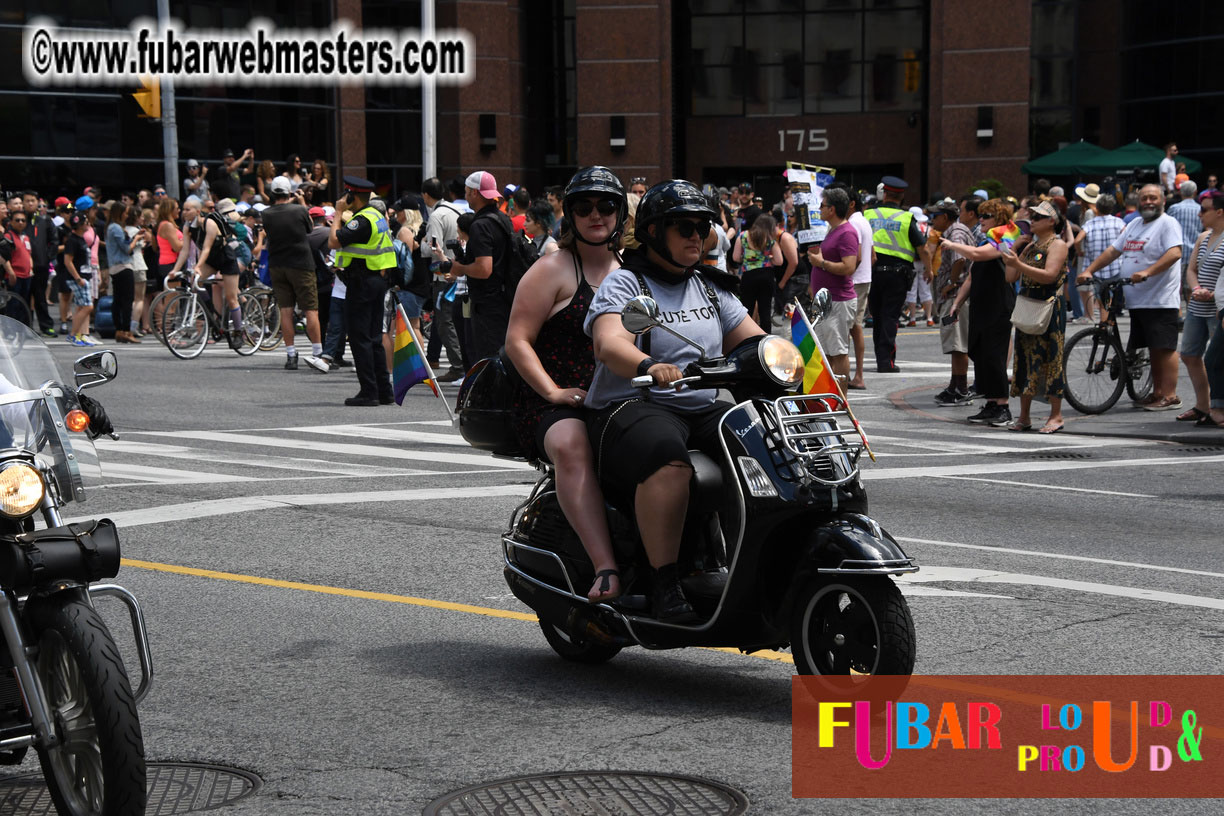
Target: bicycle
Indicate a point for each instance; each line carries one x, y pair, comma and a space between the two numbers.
1097, 364
272, 316
190, 320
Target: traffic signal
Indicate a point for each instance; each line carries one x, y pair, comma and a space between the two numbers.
149, 98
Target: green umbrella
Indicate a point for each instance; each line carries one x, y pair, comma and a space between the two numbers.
1063, 162
1134, 156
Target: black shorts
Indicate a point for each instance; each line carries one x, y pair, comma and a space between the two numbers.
1153, 329
632, 440
550, 418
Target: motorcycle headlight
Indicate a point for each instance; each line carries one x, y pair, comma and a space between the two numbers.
781, 360
21, 490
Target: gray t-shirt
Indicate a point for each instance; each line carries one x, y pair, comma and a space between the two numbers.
684, 307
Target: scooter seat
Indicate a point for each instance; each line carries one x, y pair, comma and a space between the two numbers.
705, 489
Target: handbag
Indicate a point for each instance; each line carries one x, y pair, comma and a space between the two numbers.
1031, 315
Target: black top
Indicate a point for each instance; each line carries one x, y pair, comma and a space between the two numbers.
486, 239
76, 248
41, 232
286, 227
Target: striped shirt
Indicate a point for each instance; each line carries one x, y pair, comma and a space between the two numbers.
1186, 212
1099, 235
1209, 264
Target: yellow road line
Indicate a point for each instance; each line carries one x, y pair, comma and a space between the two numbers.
378, 596
328, 590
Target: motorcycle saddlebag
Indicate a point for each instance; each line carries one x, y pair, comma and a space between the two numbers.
484, 407
82, 553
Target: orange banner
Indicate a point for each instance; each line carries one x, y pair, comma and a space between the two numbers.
1008, 737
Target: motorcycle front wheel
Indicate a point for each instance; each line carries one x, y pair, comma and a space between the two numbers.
98, 766
852, 626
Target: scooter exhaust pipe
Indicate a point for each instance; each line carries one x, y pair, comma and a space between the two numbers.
557, 609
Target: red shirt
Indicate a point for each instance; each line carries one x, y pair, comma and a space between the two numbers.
22, 262
518, 221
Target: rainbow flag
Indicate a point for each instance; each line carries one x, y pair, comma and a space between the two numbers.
409, 365
817, 376
1004, 235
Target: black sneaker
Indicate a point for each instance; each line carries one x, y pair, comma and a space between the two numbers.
988, 414
670, 605
949, 397
1003, 416
291, 362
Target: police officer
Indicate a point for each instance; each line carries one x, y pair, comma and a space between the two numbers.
897, 238
363, 253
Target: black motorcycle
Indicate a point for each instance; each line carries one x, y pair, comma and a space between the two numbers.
778, 549
63, 687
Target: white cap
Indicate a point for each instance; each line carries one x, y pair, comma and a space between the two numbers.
917, 211
921, 218
242, 206
982, 194
329, 211
259, 207
192, 163
281, 186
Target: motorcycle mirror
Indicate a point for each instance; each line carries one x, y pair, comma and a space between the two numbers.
95, 369
821, 303
640, 315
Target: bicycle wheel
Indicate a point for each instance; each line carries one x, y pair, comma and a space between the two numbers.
1139, 375
252, 325
1093, 367
157, 306
184, 326
271, 316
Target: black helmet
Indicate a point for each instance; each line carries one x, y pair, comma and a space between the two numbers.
596, 180
668, 199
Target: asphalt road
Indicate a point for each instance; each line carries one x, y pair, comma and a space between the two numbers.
324, 593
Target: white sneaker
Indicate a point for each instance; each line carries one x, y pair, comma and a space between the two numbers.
453, 383
317, 363
92, 341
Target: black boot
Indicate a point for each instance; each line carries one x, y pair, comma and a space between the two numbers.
670, 605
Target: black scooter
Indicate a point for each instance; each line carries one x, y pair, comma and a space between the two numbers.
777, 549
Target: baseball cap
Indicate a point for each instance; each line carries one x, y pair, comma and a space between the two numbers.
484, 183
242, 206
228, 154
83, 203
281, 186
946, 207
982, 194
192, 163
259, 207
317, 212
509, 189
61, 202
328, 212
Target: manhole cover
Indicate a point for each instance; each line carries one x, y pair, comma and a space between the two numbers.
591, 793
1067, 455
174, 787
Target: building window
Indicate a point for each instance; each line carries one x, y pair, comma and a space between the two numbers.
789, 57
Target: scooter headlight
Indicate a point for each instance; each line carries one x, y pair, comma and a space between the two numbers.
21, 490
781, 360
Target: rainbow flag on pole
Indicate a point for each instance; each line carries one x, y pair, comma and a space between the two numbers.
1004, 235
409, 364
818, 378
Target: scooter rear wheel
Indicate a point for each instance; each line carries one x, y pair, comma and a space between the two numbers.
98, 767
852, 626
579, 651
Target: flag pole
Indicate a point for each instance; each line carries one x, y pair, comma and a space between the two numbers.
836, 379
433, 378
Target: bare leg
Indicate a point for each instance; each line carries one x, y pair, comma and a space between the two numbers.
312, 326
287, 330
138, 304
80, 320
1026, 403
1198, 378
856, 336
840, 365
1056, 417
1164, 372
578, 493
661, 503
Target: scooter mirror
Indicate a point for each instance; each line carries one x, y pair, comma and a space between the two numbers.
821, 303
95, 369
640, 315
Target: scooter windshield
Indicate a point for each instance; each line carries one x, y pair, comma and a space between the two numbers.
35, 399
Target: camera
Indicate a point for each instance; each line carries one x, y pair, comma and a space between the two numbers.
453, 245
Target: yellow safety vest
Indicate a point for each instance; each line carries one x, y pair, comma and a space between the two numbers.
378, 252
890, 232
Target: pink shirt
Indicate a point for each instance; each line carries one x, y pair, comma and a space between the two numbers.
841, 242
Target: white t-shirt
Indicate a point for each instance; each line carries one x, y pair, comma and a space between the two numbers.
1168, 173
862, 273
720, 250
1142, 244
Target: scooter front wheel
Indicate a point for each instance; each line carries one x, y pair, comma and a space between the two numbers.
852, 626
571, 648
98, 766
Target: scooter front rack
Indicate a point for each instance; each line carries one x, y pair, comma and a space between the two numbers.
831, 449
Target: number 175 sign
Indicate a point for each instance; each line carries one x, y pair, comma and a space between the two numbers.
814, 139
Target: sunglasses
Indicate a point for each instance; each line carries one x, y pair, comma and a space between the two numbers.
686, 228
1038, 217
638, 180
606, 206
160, 194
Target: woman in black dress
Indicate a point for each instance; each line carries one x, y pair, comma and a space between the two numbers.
556, 360
990, 327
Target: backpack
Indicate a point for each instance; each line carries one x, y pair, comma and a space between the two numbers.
400, 275
521, 253
422, 278
229, 239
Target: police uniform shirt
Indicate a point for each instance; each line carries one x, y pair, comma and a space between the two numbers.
916, 238
356, 231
